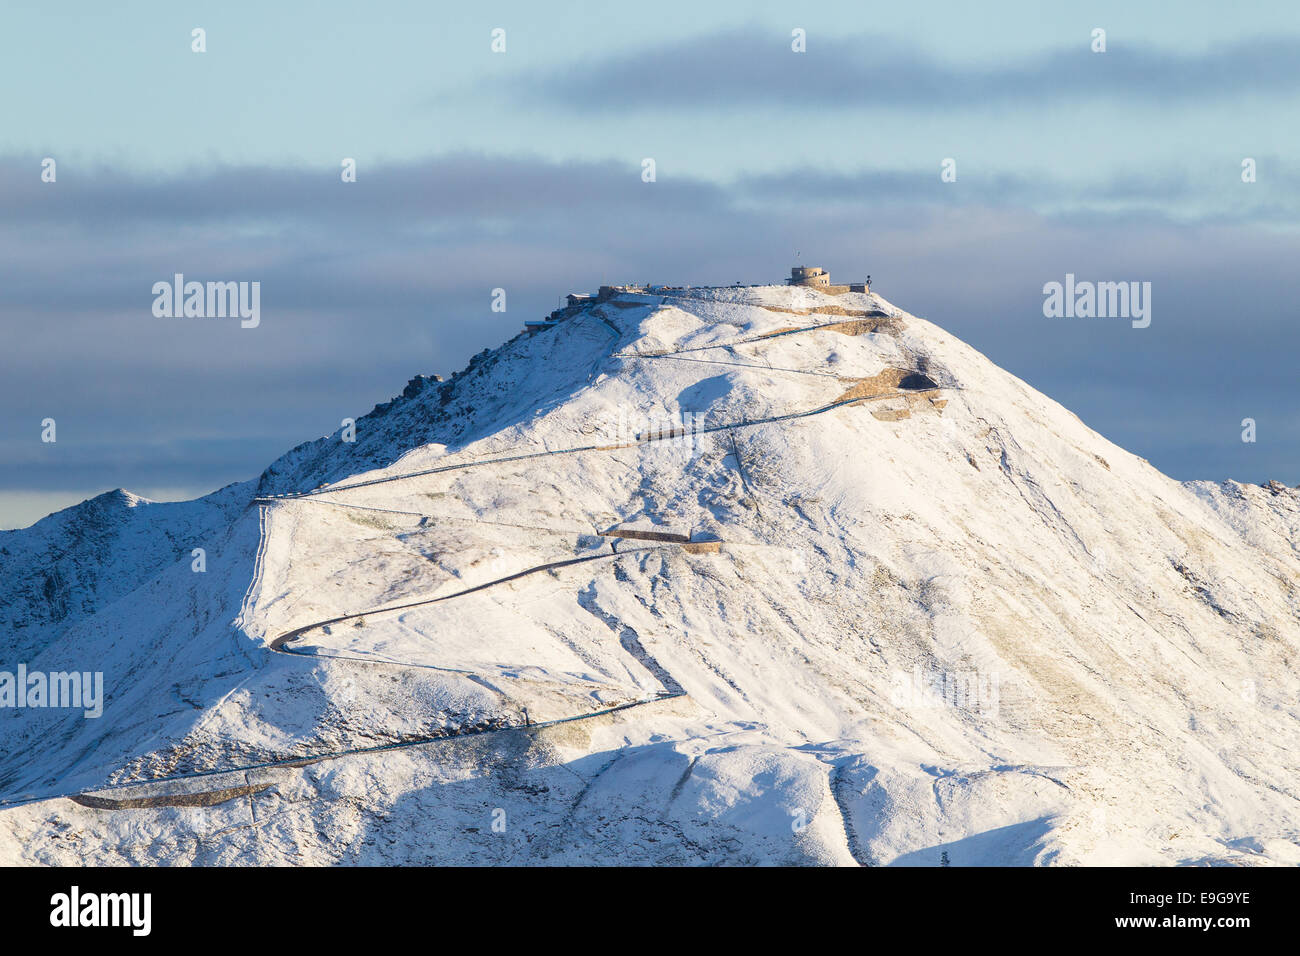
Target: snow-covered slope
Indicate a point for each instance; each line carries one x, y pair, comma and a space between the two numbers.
880, 602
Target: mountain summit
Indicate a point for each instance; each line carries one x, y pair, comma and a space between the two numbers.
679, 576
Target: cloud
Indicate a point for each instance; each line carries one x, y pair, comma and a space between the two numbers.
449, 187
747, 68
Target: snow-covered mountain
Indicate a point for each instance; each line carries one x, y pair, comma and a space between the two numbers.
700, 576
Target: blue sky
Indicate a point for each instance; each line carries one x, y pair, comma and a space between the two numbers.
522, 170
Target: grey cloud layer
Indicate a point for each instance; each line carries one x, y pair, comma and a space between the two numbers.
749, 68
479, 193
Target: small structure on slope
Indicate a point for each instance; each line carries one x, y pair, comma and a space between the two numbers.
577, 301
815, 277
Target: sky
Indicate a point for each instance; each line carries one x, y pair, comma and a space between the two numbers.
522, 170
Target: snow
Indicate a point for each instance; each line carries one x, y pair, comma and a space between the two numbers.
1131, 638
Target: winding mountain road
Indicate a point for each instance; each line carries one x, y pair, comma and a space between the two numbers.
280, 644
